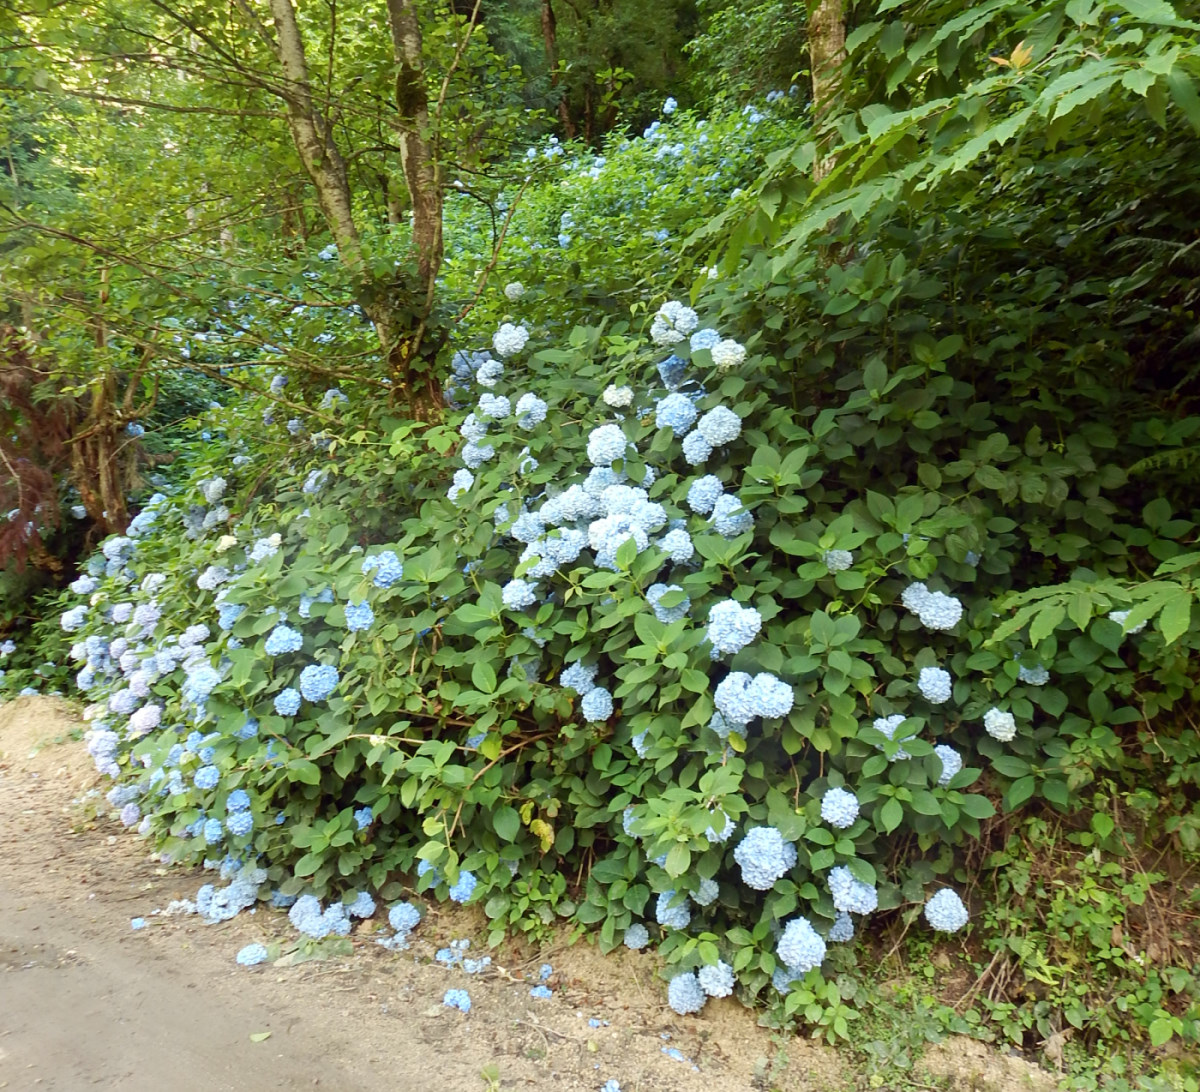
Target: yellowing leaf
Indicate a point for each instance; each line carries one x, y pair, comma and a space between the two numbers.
259, 1036
1021, 55
544, 832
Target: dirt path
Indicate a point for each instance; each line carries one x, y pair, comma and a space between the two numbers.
88, 1002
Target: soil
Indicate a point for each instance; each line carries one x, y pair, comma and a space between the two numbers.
86, 1001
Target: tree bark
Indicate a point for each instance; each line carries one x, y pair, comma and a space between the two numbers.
827, 55
421, 171
314, 142
409, 359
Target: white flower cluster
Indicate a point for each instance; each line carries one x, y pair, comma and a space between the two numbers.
1000, 725
936, 610
673, 323
509, 339
618, 397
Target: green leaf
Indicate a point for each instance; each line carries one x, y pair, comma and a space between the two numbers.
626, 553
891, 814
1176, 616
1020, 791
259, 1036
506, 822
483, 676
678, 860
1161, 1030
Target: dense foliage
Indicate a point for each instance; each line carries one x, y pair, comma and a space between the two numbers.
790, 544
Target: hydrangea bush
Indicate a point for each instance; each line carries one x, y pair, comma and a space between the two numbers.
702, 693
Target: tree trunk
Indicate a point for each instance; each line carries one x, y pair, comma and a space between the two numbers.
314, 142
410, 356
421, 171
550, 38
827, 54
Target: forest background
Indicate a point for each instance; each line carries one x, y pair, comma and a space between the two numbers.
948, 259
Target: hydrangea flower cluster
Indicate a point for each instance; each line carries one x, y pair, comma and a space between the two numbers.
851, 895
935, 610
800, 948
839, 808
764, 856
945, 911
935, 685
685, 994
731, 627
318, 681
1000, 725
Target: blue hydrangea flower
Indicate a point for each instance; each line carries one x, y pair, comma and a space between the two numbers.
685, 995
636, 936
404, 917
706, 892
362, 905
363, 818
676, 412
228, 614
207, 777
252, 955
703, 493
849, 894
248, 730
318, 681
597, 705
839, 808
841, 930
359, 616
240, 823
667, 614
238, 800
518, 594
457, 999
945, 911
674, 917
935, 685
673, 323
888, 726
717, 837
730, 518
720, 426
717, 979
541, 993
677, 544
531, 411
704, 339
672, 371
287, 702
475, 455
605, 445
388, 569
731, 627
800, 948
213, 831
283, 639
464, 888
764, 856
951, 762
494, 406
696, 449
579, 677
